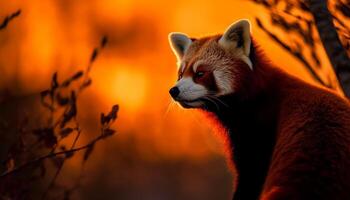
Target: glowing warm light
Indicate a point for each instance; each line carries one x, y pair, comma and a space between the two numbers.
129, 87
121, 83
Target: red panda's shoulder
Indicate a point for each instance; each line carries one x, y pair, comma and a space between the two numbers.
303, 103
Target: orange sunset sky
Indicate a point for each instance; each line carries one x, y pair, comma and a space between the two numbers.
158, 144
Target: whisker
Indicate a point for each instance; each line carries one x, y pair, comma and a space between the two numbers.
170, 105
195, 118
220, 101
191, 92
212, 101
214, 98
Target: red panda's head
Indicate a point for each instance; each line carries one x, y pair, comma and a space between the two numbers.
211, 67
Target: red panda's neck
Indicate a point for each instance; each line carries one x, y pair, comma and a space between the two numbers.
263, 79
250, 117
257, 88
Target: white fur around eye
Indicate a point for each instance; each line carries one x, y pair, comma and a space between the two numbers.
223, 82
197, 64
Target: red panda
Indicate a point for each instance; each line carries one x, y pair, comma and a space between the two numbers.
290, 140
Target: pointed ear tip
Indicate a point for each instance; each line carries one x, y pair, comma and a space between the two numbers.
244, 22
173, 35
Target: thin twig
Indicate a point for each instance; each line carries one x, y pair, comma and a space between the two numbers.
50, 155
296, 54
59, 169
93, 58
9, 18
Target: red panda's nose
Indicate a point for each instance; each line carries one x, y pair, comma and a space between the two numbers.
174, 92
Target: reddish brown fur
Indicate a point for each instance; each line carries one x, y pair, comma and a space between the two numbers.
290, 140
209, 50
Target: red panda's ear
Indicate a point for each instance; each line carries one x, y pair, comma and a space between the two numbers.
237, 39
179, 43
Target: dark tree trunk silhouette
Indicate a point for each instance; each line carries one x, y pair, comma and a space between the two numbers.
334, 35
331, 42
295, 52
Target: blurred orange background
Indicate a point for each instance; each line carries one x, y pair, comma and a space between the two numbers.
161, 151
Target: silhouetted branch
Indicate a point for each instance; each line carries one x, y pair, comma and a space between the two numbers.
344, 32
54, 154
61, 96
344, 8
295, 26
9, 18
296, 53
337, 51
343, 25
66, 117
331, 42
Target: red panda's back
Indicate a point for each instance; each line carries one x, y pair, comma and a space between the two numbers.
311, 159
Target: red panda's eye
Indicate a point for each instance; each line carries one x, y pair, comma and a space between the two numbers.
199, 74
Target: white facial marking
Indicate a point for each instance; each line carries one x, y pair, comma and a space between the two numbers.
196, 64
222, 72
182, 67
189, 90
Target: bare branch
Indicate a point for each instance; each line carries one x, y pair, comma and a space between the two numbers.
49, 136
331, 42
51, 155
82, 86
295, 53
9, 18
344, 8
